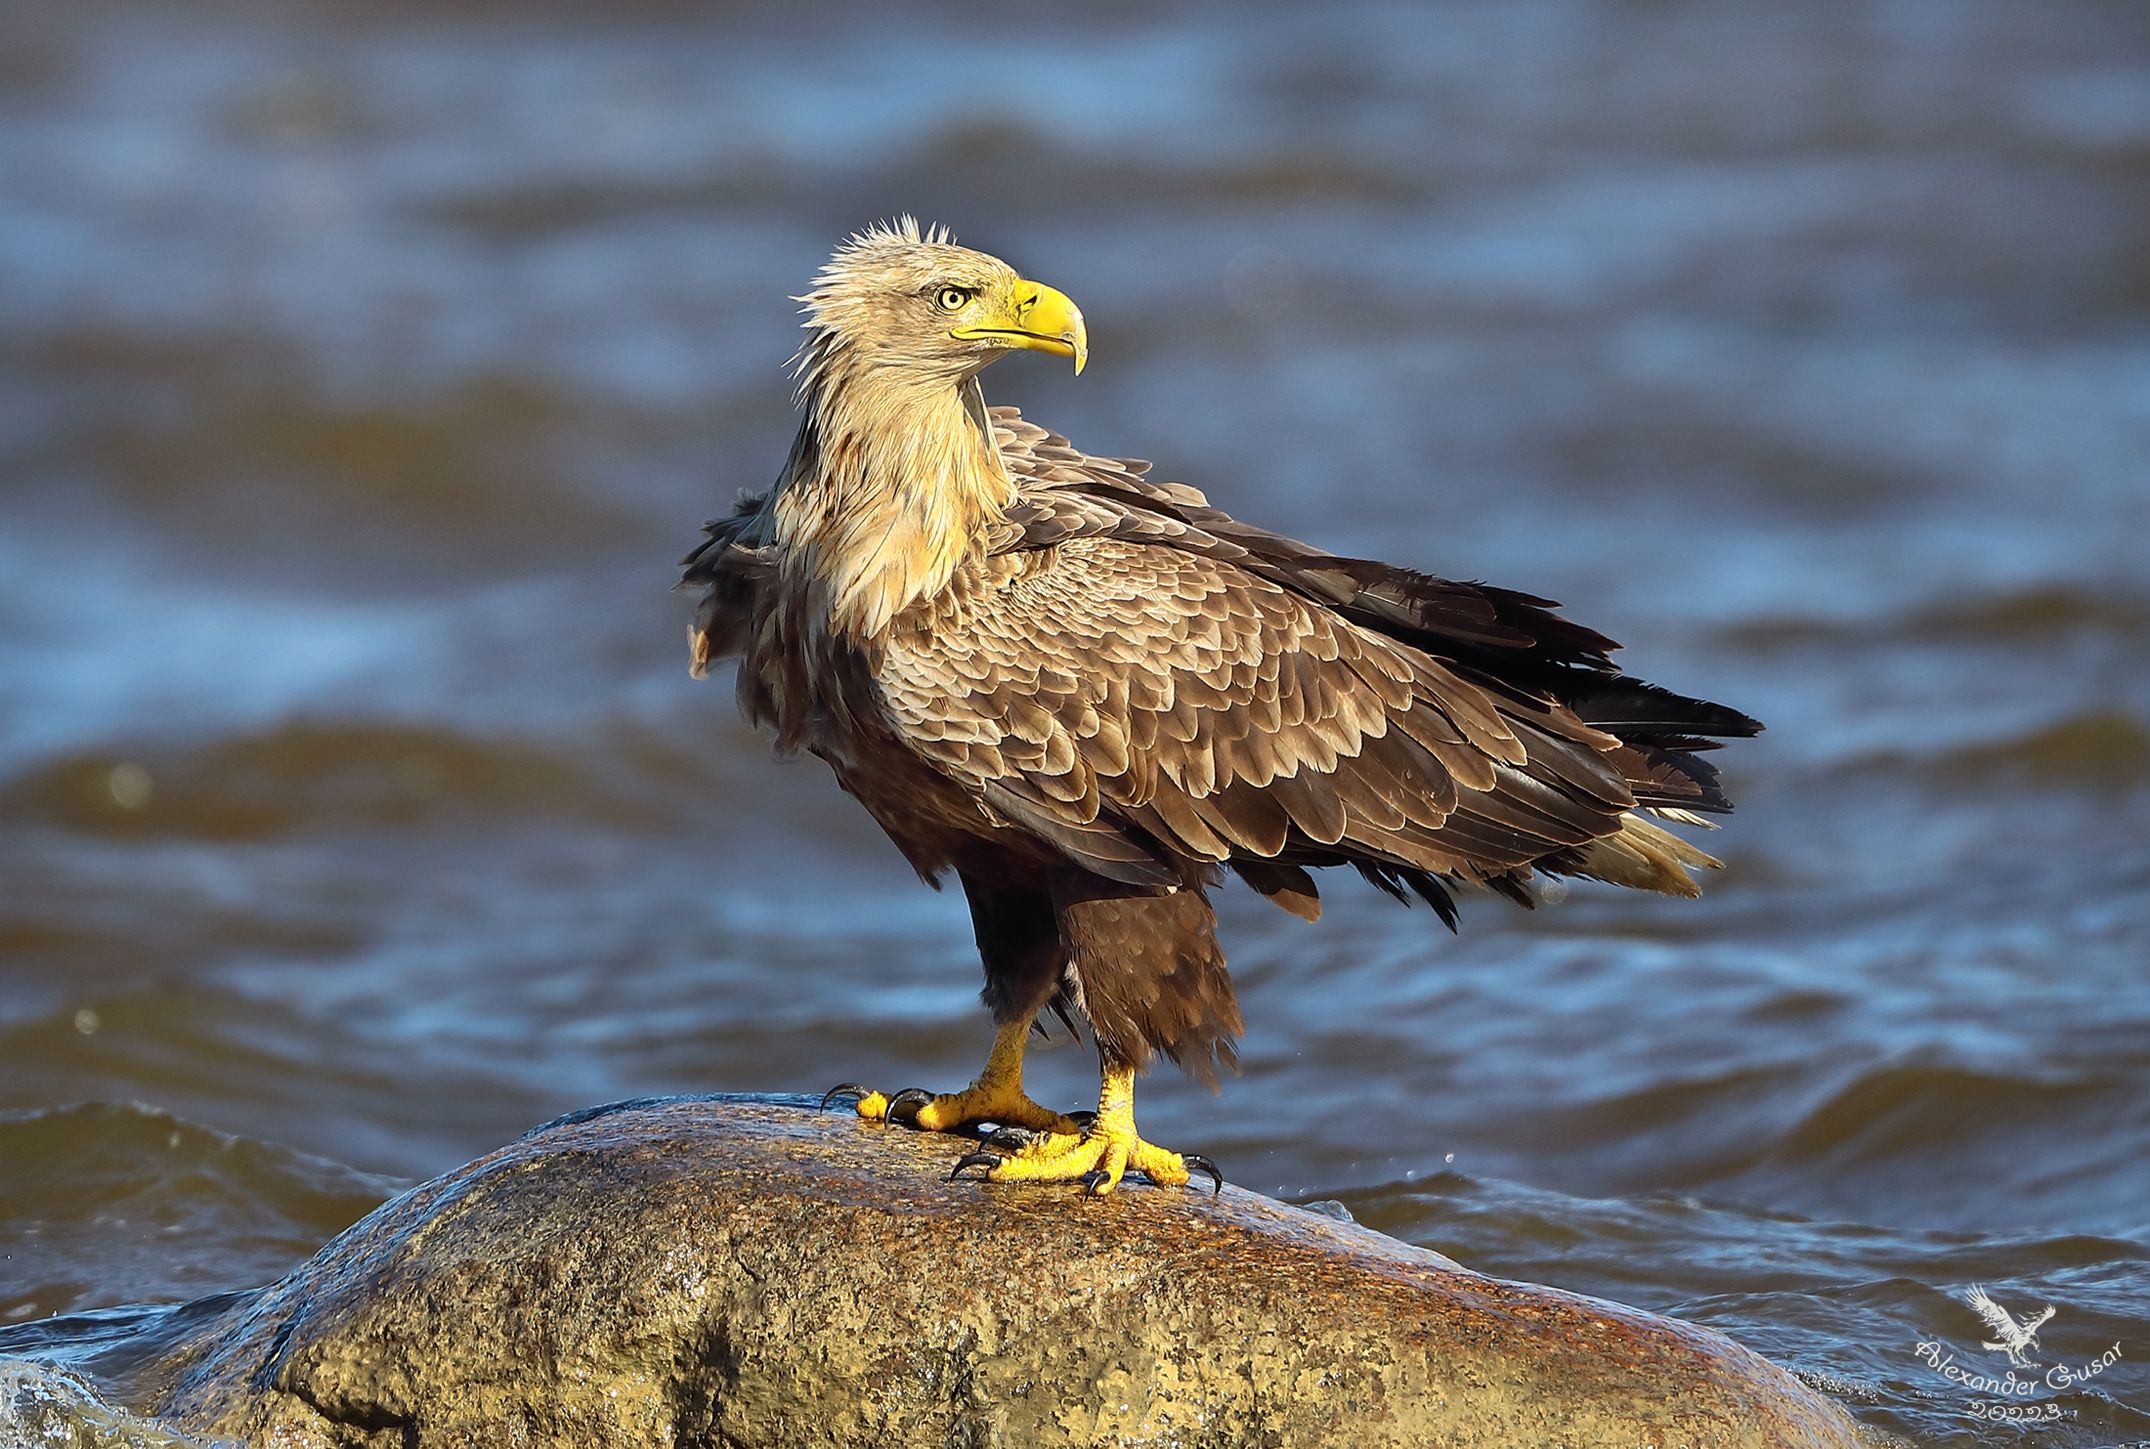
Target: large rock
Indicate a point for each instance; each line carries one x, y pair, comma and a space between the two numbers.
730, 1272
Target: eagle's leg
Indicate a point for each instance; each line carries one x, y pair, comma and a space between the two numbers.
1101, 1154
1143, 966
996, 1096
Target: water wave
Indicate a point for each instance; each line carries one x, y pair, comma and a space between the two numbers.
303, 773
109, 1202
258, 469
2042, 614
2097, 749
41, 1405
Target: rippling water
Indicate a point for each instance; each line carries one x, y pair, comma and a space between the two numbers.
362, 370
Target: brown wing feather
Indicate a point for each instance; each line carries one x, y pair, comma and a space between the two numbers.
1555, 673
1150, 707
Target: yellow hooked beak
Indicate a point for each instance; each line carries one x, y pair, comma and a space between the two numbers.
1039, 318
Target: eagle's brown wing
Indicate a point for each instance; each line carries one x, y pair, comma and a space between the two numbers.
1508, 642
1129, 682
1143, 707
1511, 643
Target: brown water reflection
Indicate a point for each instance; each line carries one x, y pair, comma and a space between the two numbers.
362, 370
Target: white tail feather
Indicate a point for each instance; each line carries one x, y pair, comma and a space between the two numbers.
1645, 857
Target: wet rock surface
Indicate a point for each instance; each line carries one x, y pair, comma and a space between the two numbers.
748, 1272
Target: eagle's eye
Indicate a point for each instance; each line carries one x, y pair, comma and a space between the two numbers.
953, 299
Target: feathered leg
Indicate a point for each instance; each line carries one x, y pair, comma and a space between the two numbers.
1144, 967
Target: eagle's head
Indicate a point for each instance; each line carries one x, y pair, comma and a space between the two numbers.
909, 303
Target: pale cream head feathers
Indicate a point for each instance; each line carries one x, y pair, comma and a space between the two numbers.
913, 303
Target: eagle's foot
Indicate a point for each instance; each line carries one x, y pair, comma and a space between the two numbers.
1098, 1159
1097, 1156
997, 1096
1002, 1103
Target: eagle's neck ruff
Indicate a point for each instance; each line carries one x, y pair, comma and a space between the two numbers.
890, 485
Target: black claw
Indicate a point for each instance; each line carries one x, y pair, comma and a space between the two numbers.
1196, 1162
842, 1089
986, 1160
1095, 1181
1010, 1139
1083, 1121
917, 1097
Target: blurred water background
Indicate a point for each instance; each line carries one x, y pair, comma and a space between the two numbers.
363, 369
